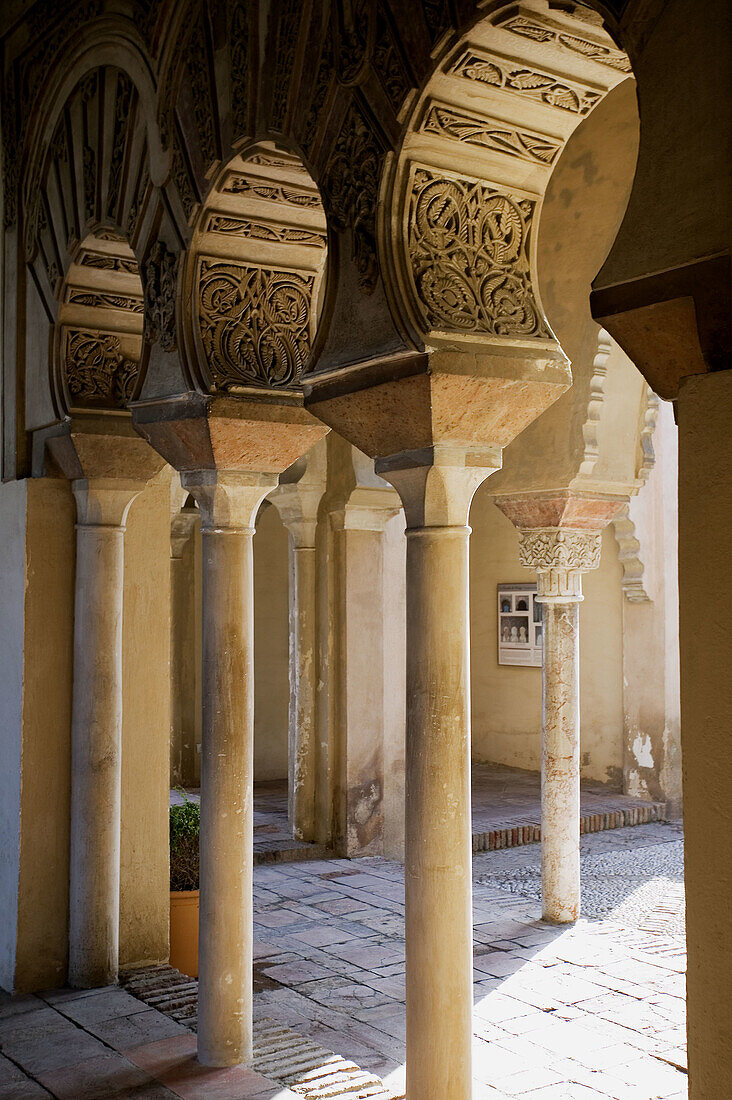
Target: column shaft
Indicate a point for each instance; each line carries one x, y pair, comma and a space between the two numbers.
227, 773
438, 831
96, 757
303, 690
560, 771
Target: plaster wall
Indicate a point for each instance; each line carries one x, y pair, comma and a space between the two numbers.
12, 589
506, 699
395, 685
144, 882
271, 646
652, 757
705, 613
46, 763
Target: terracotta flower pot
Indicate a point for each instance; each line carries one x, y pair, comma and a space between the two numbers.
184, 931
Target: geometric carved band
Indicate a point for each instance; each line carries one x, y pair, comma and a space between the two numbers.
560, 557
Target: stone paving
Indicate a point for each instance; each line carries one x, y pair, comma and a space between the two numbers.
594, 1011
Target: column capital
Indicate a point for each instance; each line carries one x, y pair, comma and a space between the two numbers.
104, 501
437, 484
228, 499
560, 556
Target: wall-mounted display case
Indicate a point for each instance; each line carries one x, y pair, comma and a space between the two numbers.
520, 626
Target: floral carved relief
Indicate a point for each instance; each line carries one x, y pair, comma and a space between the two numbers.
97, 373
254, 323
159, 278
469, 251
350, 188
488, 134
560, 556
595, 51
529, 83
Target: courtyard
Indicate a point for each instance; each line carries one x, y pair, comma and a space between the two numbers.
595, 1010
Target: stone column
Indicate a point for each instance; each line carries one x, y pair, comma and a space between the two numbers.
560, 556
228, 503
102, 506
436, 487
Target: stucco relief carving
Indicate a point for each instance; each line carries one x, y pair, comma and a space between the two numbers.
238, 184
559, 557
103, 300
590, 428
526, 82
468, 246
595, 51
97, 373
264, 231
350, 188
159, 279
489, 134
254, 323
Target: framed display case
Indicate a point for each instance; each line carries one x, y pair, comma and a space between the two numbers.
520, 626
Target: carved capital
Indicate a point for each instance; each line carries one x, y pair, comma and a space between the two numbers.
560, 557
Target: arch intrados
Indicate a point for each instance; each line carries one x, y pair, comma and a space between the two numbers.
100, 43
473, 137
255, 271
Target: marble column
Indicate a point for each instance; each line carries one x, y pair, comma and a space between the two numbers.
436, 487
101, 505
228, 503
559, 557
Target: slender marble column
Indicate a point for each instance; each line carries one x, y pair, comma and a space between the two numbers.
96, 736
228, 503
560, 556
436, 488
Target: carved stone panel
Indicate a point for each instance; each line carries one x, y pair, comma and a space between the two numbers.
469, 253
97, 373
160, 272
253, 323
350, 189
539, 31
529, 83
489, 134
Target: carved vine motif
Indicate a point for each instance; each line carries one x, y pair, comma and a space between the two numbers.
437, 18
468, 246
350, 189
199, 72
449, 122
320, 91
527, 28
355, 23
239, 67
182, 179
159, 279
388, 63
104, 262
97, 373
254, 323
526, 82
288, 27
237, 184
264, 231
102, 300
122, 105
551, 548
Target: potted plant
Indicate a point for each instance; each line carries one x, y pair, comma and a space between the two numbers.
185, 824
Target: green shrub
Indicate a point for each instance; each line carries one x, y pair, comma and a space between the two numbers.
185, 825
